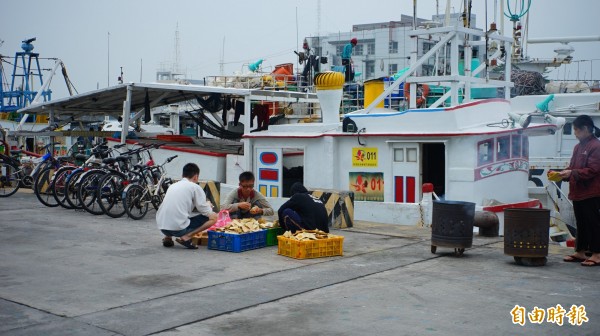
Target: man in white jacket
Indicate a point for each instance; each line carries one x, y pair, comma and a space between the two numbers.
173, 217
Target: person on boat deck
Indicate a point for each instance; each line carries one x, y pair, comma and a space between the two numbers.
174, 217
303, 211
245, 201
583, 174
347, 59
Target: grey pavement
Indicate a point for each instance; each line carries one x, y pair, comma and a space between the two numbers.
66, 272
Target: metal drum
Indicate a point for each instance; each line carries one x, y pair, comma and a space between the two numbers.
526, 235
452, 225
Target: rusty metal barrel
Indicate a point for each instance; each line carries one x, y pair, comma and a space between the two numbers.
452, 225
526, 232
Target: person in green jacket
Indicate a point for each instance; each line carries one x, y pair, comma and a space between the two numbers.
347, 59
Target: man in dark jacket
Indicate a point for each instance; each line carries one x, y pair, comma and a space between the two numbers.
303, 211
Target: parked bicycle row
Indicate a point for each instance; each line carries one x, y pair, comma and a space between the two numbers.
111, 181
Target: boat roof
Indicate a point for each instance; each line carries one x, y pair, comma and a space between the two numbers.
109, 101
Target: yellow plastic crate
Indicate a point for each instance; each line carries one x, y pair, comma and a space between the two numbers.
310, 248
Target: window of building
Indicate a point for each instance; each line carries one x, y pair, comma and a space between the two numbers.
398, 154
427, 46
339, 50
503, 148
371, 49
358, 50
516, 146
525, 147
370, 69
485, 152
392, 68
393, 47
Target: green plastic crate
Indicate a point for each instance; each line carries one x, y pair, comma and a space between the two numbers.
272, 235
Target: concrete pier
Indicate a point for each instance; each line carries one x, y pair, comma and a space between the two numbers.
66, 272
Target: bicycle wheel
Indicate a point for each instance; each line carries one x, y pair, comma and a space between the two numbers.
158, 198
135, 201
59, 182
10, 180
71, 187
110, 193
87, 191
43, 187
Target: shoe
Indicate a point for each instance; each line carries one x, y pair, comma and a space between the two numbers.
593, 263
168, 242
573, 258
187, 243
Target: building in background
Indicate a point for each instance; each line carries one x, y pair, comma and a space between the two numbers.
383, 48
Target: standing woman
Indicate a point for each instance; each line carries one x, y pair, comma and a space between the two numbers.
583, 175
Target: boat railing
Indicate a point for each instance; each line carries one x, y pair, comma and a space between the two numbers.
263, 81
457, 81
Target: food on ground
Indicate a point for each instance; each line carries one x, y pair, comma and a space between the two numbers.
304, 235
246, 225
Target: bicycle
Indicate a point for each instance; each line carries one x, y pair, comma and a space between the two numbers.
10, 174
59, 183
111, 186
137, 197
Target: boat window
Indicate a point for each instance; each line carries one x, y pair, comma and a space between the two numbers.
398, 154
525, 147
485, 150
516, 146
503, 148
411, 155
568, 128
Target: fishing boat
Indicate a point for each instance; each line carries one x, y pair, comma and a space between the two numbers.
470, 149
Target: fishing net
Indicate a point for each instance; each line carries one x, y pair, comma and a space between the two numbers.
527, 83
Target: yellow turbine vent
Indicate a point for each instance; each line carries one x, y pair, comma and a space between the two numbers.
329, 80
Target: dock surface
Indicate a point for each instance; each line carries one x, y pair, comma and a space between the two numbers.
66, 272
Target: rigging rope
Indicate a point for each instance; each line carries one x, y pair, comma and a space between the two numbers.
516, 16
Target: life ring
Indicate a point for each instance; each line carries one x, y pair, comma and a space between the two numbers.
423, 89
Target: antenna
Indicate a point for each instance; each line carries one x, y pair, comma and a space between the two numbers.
108, 61
177, 55
319, 26
318, 17
222, 62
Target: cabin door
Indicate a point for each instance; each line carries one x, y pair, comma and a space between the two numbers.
268, 171
405, 172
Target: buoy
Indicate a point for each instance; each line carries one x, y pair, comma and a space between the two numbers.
422, 99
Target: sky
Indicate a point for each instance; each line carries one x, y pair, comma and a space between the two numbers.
139, 35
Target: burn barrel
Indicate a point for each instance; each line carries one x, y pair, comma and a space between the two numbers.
452, 224
526, 232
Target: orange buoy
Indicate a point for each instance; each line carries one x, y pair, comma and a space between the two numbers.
423, 89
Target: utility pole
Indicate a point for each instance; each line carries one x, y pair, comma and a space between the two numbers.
108, 61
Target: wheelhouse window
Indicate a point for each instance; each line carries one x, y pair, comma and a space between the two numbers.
411, 155
568, 128
525, 147
398, 154
485, 152
503, 148
516, 146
